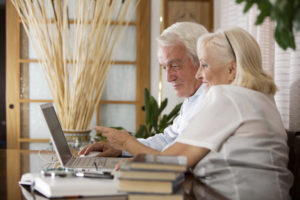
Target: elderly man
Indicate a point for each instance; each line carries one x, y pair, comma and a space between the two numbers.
178, 56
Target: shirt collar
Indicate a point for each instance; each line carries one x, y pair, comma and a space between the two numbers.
200, 91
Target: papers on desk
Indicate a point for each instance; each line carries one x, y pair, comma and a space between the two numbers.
74, 186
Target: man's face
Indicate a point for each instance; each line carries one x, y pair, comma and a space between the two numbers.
179, 68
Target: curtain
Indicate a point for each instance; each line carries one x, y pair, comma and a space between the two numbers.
284, 66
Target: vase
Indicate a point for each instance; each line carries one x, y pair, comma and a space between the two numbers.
77, 138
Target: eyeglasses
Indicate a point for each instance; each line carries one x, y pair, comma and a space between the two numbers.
230, 45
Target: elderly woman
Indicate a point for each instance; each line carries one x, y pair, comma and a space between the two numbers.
237, 143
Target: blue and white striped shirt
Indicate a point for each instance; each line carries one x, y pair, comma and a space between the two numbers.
188, 109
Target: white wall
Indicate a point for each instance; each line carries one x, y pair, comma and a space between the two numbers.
217, 12
155, 31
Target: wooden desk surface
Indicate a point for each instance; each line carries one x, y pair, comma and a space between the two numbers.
14, 163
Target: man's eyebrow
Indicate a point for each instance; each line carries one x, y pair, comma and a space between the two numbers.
177, 60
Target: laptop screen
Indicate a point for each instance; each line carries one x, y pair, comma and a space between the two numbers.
57, 134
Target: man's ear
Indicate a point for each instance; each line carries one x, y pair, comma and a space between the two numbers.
232, 71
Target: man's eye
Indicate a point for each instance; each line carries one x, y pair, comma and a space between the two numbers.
175, 67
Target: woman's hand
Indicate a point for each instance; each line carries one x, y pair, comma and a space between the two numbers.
116, 138
118, 165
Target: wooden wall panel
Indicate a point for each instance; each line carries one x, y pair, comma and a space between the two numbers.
143, 58
12, 77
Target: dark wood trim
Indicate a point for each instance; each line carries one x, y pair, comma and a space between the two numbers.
117, 62
28, 140
143, 58
50, 101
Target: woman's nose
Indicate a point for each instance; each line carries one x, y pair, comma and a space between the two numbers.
199, 74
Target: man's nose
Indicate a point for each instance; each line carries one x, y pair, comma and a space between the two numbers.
170, 75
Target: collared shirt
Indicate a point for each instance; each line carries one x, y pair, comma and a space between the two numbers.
188, 109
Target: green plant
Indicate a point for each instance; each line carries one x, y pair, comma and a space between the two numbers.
286, 14
154, 122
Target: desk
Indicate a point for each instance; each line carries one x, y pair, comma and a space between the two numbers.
14, 163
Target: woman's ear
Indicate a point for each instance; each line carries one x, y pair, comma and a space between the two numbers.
232, 71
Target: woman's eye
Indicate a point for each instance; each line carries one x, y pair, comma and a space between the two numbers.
204, 65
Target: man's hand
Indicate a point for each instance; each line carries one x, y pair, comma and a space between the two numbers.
107, 150
116, 138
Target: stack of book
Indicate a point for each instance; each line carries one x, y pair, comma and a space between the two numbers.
153, 177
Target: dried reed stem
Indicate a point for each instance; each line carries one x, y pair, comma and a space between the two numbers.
75, 57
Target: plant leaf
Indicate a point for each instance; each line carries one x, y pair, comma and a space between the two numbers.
265, 11
154, 112
296, 21
163, 105
175, 111
141, 133
147, 105
162, 124
248, 5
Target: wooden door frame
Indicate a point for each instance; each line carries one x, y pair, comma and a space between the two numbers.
12, 77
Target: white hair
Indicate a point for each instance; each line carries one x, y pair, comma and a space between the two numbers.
186, 33
237, 45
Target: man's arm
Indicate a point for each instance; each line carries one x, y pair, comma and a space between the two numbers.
159, 141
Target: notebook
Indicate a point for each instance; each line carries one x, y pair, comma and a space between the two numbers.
65, 157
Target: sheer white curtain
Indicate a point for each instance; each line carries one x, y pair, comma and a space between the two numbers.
284, 66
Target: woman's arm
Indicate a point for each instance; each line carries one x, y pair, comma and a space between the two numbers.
121, 139
193, 153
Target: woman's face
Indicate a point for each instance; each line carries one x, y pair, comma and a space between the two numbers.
212, 70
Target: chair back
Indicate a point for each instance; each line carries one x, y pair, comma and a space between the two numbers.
294, 162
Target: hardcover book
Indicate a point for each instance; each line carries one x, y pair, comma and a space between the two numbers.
147, 186
178, 195
157, 163
149, 175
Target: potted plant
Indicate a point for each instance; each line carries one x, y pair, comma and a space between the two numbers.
155, 123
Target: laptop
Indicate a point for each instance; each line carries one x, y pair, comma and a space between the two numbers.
65, 157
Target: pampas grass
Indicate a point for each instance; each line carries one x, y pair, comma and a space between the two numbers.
75, 53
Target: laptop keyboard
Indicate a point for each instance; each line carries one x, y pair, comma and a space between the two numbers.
81, 162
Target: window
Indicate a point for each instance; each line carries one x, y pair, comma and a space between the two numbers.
122, 99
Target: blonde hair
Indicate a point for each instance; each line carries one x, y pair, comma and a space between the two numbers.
238, 45
186, 33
